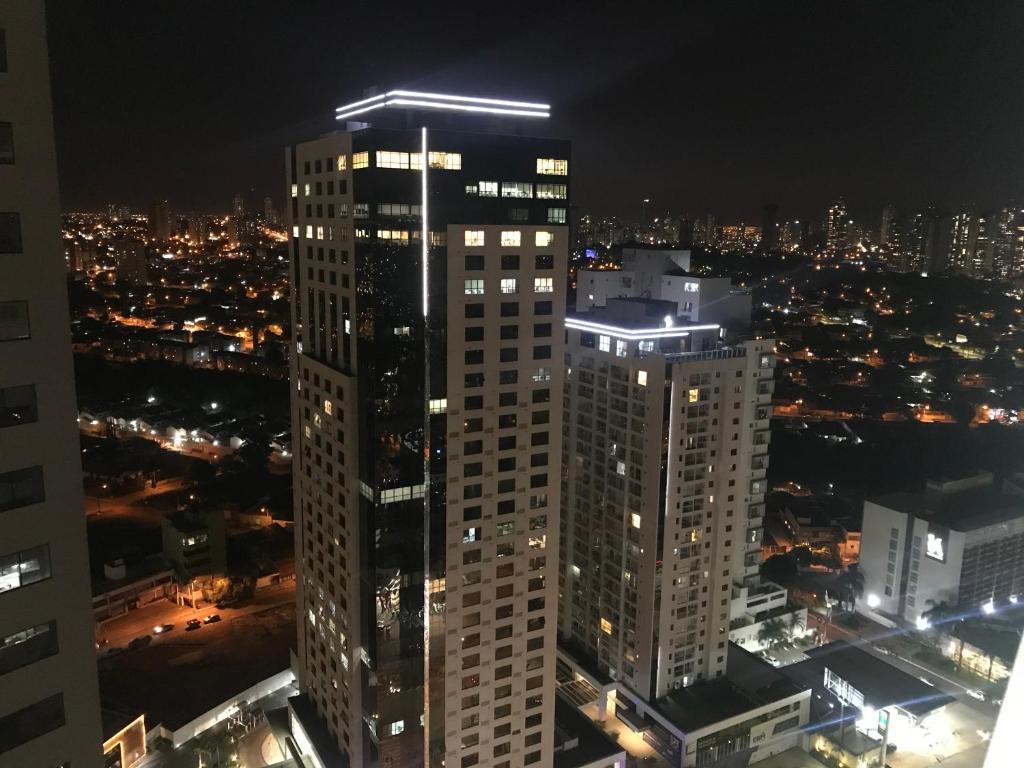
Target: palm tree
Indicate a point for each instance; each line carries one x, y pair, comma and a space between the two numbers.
771, 633
941, 612
851, 585
796, 621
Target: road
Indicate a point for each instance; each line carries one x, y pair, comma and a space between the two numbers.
120, 631
135, 504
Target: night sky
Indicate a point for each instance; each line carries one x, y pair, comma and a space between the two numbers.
716, 107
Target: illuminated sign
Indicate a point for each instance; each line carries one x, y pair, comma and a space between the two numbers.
935, 547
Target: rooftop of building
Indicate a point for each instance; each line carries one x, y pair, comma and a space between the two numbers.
638, 313
973, 508
881, 683
577, 740
749, 683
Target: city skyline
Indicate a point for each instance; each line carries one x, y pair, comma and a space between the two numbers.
686, 121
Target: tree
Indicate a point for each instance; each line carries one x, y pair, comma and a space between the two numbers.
851, 585
780, 569
801, 556
772, 633
939, 612
796, 622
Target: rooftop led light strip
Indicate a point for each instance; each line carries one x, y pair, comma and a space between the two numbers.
444, 101
634, 334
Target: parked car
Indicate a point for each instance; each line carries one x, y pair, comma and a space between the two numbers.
213, 618
974, 693
192, 624
161, 629
140, 642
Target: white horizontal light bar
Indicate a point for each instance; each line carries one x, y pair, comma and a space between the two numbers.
471, 99
467, 107
634, 334
444, 101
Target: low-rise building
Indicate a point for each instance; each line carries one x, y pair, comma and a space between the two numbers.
960, 542
194, 542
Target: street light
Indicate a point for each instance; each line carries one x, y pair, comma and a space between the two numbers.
873, 600
988, 608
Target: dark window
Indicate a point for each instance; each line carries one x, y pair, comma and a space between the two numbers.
539, 438
6, 144
507, 398
474, 261
542, 307
542, 395
474, 380
10, 233
473, 447
18, 405
542, 352
508, 377
510, 331
477, 310
20, 488
3, 51
506, 506
474, 403
518, 214
28, 646
31, 722
506, 443
508, 355
538, 481
507, 464
541, 417
509, 261
474, 357
544, 261
509, 308
506, 486
475, 333
507, 421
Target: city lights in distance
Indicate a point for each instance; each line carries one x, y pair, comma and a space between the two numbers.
444, 101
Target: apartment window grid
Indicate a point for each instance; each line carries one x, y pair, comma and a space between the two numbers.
492, 528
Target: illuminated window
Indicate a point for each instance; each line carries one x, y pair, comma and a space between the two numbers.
691, 287
647, 346
471, 189
395, 728
328, 407
516, 189
641, 378
439, 238
295, 231
620, 348
543, 239
474, 237
488, 188
604, 343
360, 160
386, 159
556, 215
449, 161
309, 231
438, 406
295, 190
551, 191
606, 626
543, 284
547, 166
395, 235
342, 162
620, 468
694, 395
320, 233
397, 209
474, 287
509, 285
306, 189
511, 238
634, 519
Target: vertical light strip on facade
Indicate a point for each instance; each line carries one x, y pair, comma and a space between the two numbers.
424, 240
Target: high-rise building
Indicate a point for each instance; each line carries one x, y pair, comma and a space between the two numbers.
162, 222
130, 260
887, 230
790, 236
49, 699
835, 226
238, 206
270, 213
665, 454
429, 256
1006, 253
